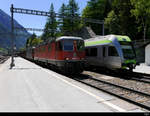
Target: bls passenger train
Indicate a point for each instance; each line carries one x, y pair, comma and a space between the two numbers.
111, 51
65, 53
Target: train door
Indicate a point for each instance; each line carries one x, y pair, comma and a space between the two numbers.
104, 56
93, 56
33, 53
59, 50
113, 59
56, 54
49, 51
99, 56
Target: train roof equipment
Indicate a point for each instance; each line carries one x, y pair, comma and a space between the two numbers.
68, 37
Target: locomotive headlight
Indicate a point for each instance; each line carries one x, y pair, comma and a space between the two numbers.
67, 58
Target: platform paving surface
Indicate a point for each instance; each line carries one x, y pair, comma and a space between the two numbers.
30, 88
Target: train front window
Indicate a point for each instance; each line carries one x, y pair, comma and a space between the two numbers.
112, 51
80, 45
128, 50
68, 45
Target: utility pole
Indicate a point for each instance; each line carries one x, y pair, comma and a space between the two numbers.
103, 30
12, 37
144, 33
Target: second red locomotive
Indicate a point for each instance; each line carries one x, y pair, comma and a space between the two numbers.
65, 53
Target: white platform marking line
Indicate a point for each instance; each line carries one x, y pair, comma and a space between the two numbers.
97, 97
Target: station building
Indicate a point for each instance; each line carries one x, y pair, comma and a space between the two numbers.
143, 52
147, 54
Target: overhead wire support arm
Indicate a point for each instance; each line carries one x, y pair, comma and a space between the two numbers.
43, 13
31, 12
34, 29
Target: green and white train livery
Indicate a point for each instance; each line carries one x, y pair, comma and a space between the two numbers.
111, 51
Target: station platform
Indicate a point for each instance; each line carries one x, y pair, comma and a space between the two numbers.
28, 87
142, 68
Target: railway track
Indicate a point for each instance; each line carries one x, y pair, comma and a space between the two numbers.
131, 95
136, 76
3, 59
142, 77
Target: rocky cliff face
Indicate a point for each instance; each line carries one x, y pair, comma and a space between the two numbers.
5, 29
84, 32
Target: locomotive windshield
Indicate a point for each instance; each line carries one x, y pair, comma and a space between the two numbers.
70, 44
80, 45
128, 50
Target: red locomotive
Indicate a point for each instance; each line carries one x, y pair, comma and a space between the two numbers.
65, 53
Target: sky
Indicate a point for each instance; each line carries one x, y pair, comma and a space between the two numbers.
32, 21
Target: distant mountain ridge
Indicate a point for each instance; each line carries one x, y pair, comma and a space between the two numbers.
5, 29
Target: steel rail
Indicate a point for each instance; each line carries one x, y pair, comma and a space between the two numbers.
136, 76
140, 80
143, 74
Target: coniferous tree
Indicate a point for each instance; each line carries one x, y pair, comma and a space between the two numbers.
50, 29
62, 19
72, 13
68, 15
